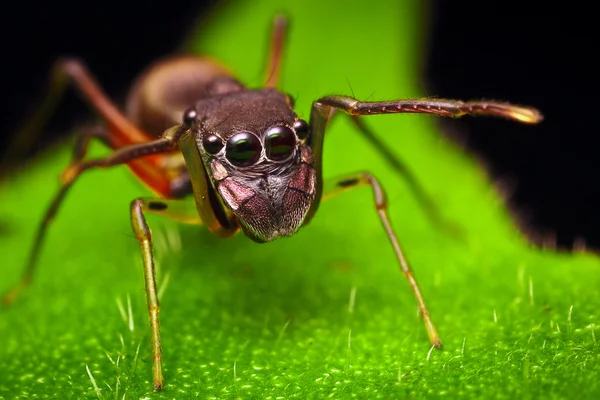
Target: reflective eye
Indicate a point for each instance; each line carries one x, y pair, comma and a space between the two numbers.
243, 149
280, 143
301, 128
189, 117
212, 144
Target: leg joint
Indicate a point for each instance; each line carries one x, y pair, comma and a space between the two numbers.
378, 192
138, 221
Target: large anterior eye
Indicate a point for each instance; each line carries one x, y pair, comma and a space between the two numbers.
280, 143
243, 149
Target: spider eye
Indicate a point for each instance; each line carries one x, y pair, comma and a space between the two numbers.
301, 128
212, 144
280, 143
243, 149
189, 117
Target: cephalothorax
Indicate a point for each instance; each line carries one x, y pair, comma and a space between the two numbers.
255, 149
250, 162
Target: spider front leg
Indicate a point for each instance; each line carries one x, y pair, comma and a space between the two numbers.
336, 186
324, 108
439, 107
180, 210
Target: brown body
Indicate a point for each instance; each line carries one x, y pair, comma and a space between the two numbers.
248, 159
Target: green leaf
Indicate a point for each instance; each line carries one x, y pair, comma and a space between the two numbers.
276, 320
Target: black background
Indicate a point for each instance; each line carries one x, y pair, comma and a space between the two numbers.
526, 52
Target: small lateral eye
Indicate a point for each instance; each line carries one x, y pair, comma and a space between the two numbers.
212, 144
301, 128
280, 143
243, 149
189, 117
